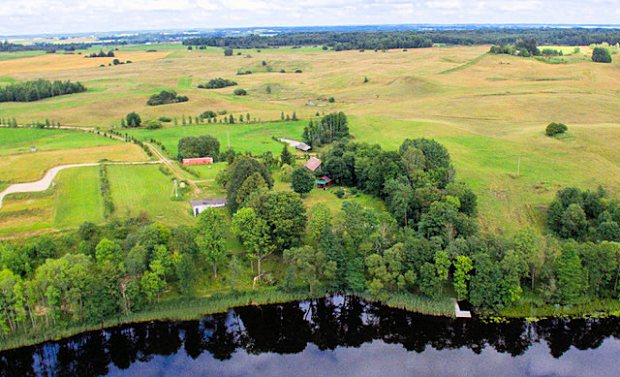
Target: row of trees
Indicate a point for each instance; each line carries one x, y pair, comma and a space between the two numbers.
29, 91
100, 54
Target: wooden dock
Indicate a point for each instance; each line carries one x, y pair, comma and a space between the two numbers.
460, 313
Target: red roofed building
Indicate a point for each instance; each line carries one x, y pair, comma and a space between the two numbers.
198, 161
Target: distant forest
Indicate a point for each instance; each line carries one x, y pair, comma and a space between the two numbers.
50, 47
414, 39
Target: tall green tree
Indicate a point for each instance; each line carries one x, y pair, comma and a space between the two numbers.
569, 274
286, 157
302, 181
312, 266
462, 269
253, 232
210, 239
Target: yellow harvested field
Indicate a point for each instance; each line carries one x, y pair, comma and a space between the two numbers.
28, 167
52, 63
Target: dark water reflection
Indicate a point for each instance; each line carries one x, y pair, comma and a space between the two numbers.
341, 336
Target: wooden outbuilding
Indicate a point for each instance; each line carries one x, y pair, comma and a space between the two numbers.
313, 164
324, 183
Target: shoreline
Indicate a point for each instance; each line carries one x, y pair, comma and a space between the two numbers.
194, 308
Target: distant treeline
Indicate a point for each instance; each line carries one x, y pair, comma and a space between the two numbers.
29, 91
414, 39
50, 47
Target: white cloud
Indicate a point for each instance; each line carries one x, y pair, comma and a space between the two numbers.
55, 16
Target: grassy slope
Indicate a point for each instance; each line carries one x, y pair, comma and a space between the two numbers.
488, 109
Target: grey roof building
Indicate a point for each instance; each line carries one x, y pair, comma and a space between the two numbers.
200, 205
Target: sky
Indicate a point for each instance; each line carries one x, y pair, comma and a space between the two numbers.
70, 16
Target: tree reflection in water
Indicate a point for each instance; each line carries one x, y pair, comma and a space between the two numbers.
332, 323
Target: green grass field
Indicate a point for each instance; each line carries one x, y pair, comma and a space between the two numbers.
255, 138
14, 140
78, 198
145, 188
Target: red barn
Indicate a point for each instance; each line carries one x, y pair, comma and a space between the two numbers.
198, 161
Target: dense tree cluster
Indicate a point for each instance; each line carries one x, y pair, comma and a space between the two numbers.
198, 146
417, 184
166, 97
29, 91
217, 83
330, 128
523, 47
584, 215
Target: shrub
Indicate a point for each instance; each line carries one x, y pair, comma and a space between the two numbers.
228, 52
153, 124
556, 129
340, 193
240, 92
165, 97
165, 119
331, 100
217, 83
298, 71
601, 55
208, 114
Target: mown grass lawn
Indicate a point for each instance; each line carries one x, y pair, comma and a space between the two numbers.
78, 198
138, 188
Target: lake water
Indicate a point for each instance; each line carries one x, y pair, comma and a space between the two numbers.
336, 336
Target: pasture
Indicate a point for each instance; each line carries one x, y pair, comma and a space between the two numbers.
14, 140
489, 110
254, 138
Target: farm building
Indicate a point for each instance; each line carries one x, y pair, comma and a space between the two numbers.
313, 164
324, 183
200, 205
303, 147
198, 161
297, 144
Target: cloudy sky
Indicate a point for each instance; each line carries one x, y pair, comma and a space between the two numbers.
58, 16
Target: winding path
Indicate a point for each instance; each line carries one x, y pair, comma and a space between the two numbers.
45, 182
